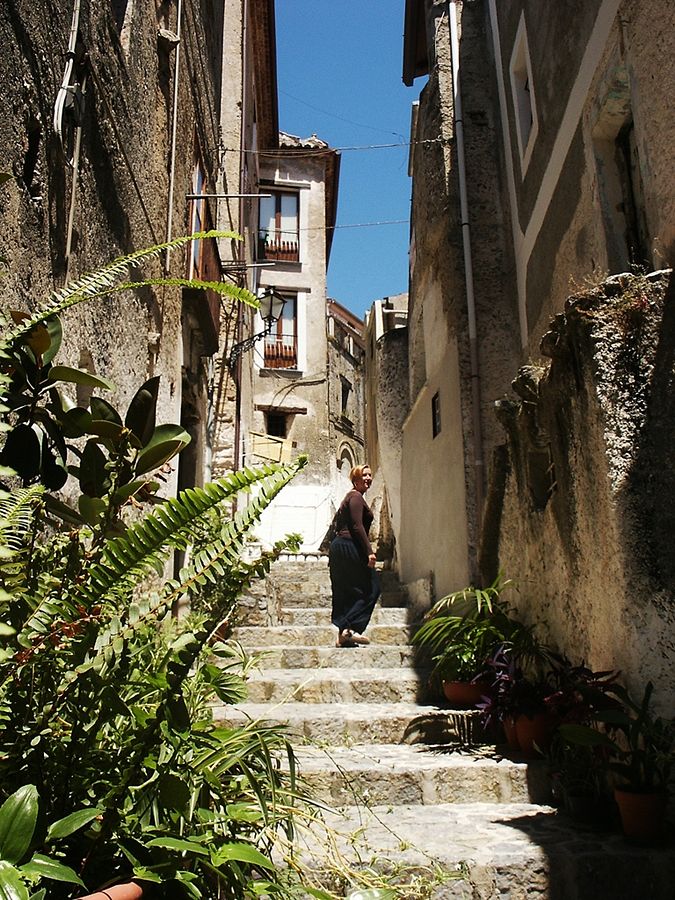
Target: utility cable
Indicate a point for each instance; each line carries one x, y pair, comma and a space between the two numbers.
312, 153
333, 115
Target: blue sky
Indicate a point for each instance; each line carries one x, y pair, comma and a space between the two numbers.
339, 75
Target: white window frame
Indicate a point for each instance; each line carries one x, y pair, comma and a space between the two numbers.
278, 190
522, 94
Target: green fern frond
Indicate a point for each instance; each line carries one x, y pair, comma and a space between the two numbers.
102, 281
17, 512
17, 519
127, 559
223, 559
224, 288
240, 575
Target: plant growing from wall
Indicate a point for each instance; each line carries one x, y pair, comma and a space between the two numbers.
104, 704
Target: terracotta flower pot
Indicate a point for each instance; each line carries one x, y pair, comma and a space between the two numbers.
643, 815
534, 732
128, 891
510, 733
465, 694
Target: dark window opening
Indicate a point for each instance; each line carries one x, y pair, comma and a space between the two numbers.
276, 424
30, 160
523, 98
621, 191
346, 391
436, 414
541, 477
119, 11
628, 164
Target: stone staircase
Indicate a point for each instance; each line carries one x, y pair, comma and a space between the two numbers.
408, 791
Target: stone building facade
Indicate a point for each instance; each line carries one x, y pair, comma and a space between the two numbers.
300, 385
386, 408
249, 125
346, 379
124, 126
542, 157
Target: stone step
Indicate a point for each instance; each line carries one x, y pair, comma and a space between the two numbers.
346, 723
337, 685
419, 774
321, 597
354, 658
314, 635
319, 616
482, 851
283, 569
305, 590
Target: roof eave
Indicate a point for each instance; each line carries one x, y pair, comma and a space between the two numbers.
415, 59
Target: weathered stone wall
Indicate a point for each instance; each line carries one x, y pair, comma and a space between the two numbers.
346, 408
386, 407
121, 194
587, 521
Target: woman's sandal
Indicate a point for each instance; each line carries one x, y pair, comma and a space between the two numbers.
345, 639
349, 638
360, 638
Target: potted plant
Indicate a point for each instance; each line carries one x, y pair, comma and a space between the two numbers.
521, 687
460, 633
579, 772
640, 752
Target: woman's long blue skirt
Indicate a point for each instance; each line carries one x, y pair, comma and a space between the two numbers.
355, 586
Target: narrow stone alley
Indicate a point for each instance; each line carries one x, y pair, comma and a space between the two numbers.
408, 794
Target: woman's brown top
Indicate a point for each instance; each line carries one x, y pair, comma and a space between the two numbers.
353, 520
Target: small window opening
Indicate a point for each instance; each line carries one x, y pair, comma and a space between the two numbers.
523, 96
123, 11
119, 11
276, 424
541, 477
346, 391
628, 164
31, 157
621, 192
436, 414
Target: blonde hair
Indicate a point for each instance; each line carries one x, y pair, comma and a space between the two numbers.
357, 472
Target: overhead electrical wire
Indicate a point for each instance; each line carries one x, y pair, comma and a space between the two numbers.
333, 115
296, 153
357, 225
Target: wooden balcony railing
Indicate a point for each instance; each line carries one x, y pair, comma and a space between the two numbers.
282, 250
281, 351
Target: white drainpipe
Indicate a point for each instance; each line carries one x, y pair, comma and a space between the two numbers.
174, 126
468, 267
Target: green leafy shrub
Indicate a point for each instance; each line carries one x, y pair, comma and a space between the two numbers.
105, 717
463, 629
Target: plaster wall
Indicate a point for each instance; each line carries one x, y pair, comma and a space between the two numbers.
433, 536
593, 559
472, 309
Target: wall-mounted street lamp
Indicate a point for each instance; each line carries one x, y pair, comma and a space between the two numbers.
271, 310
